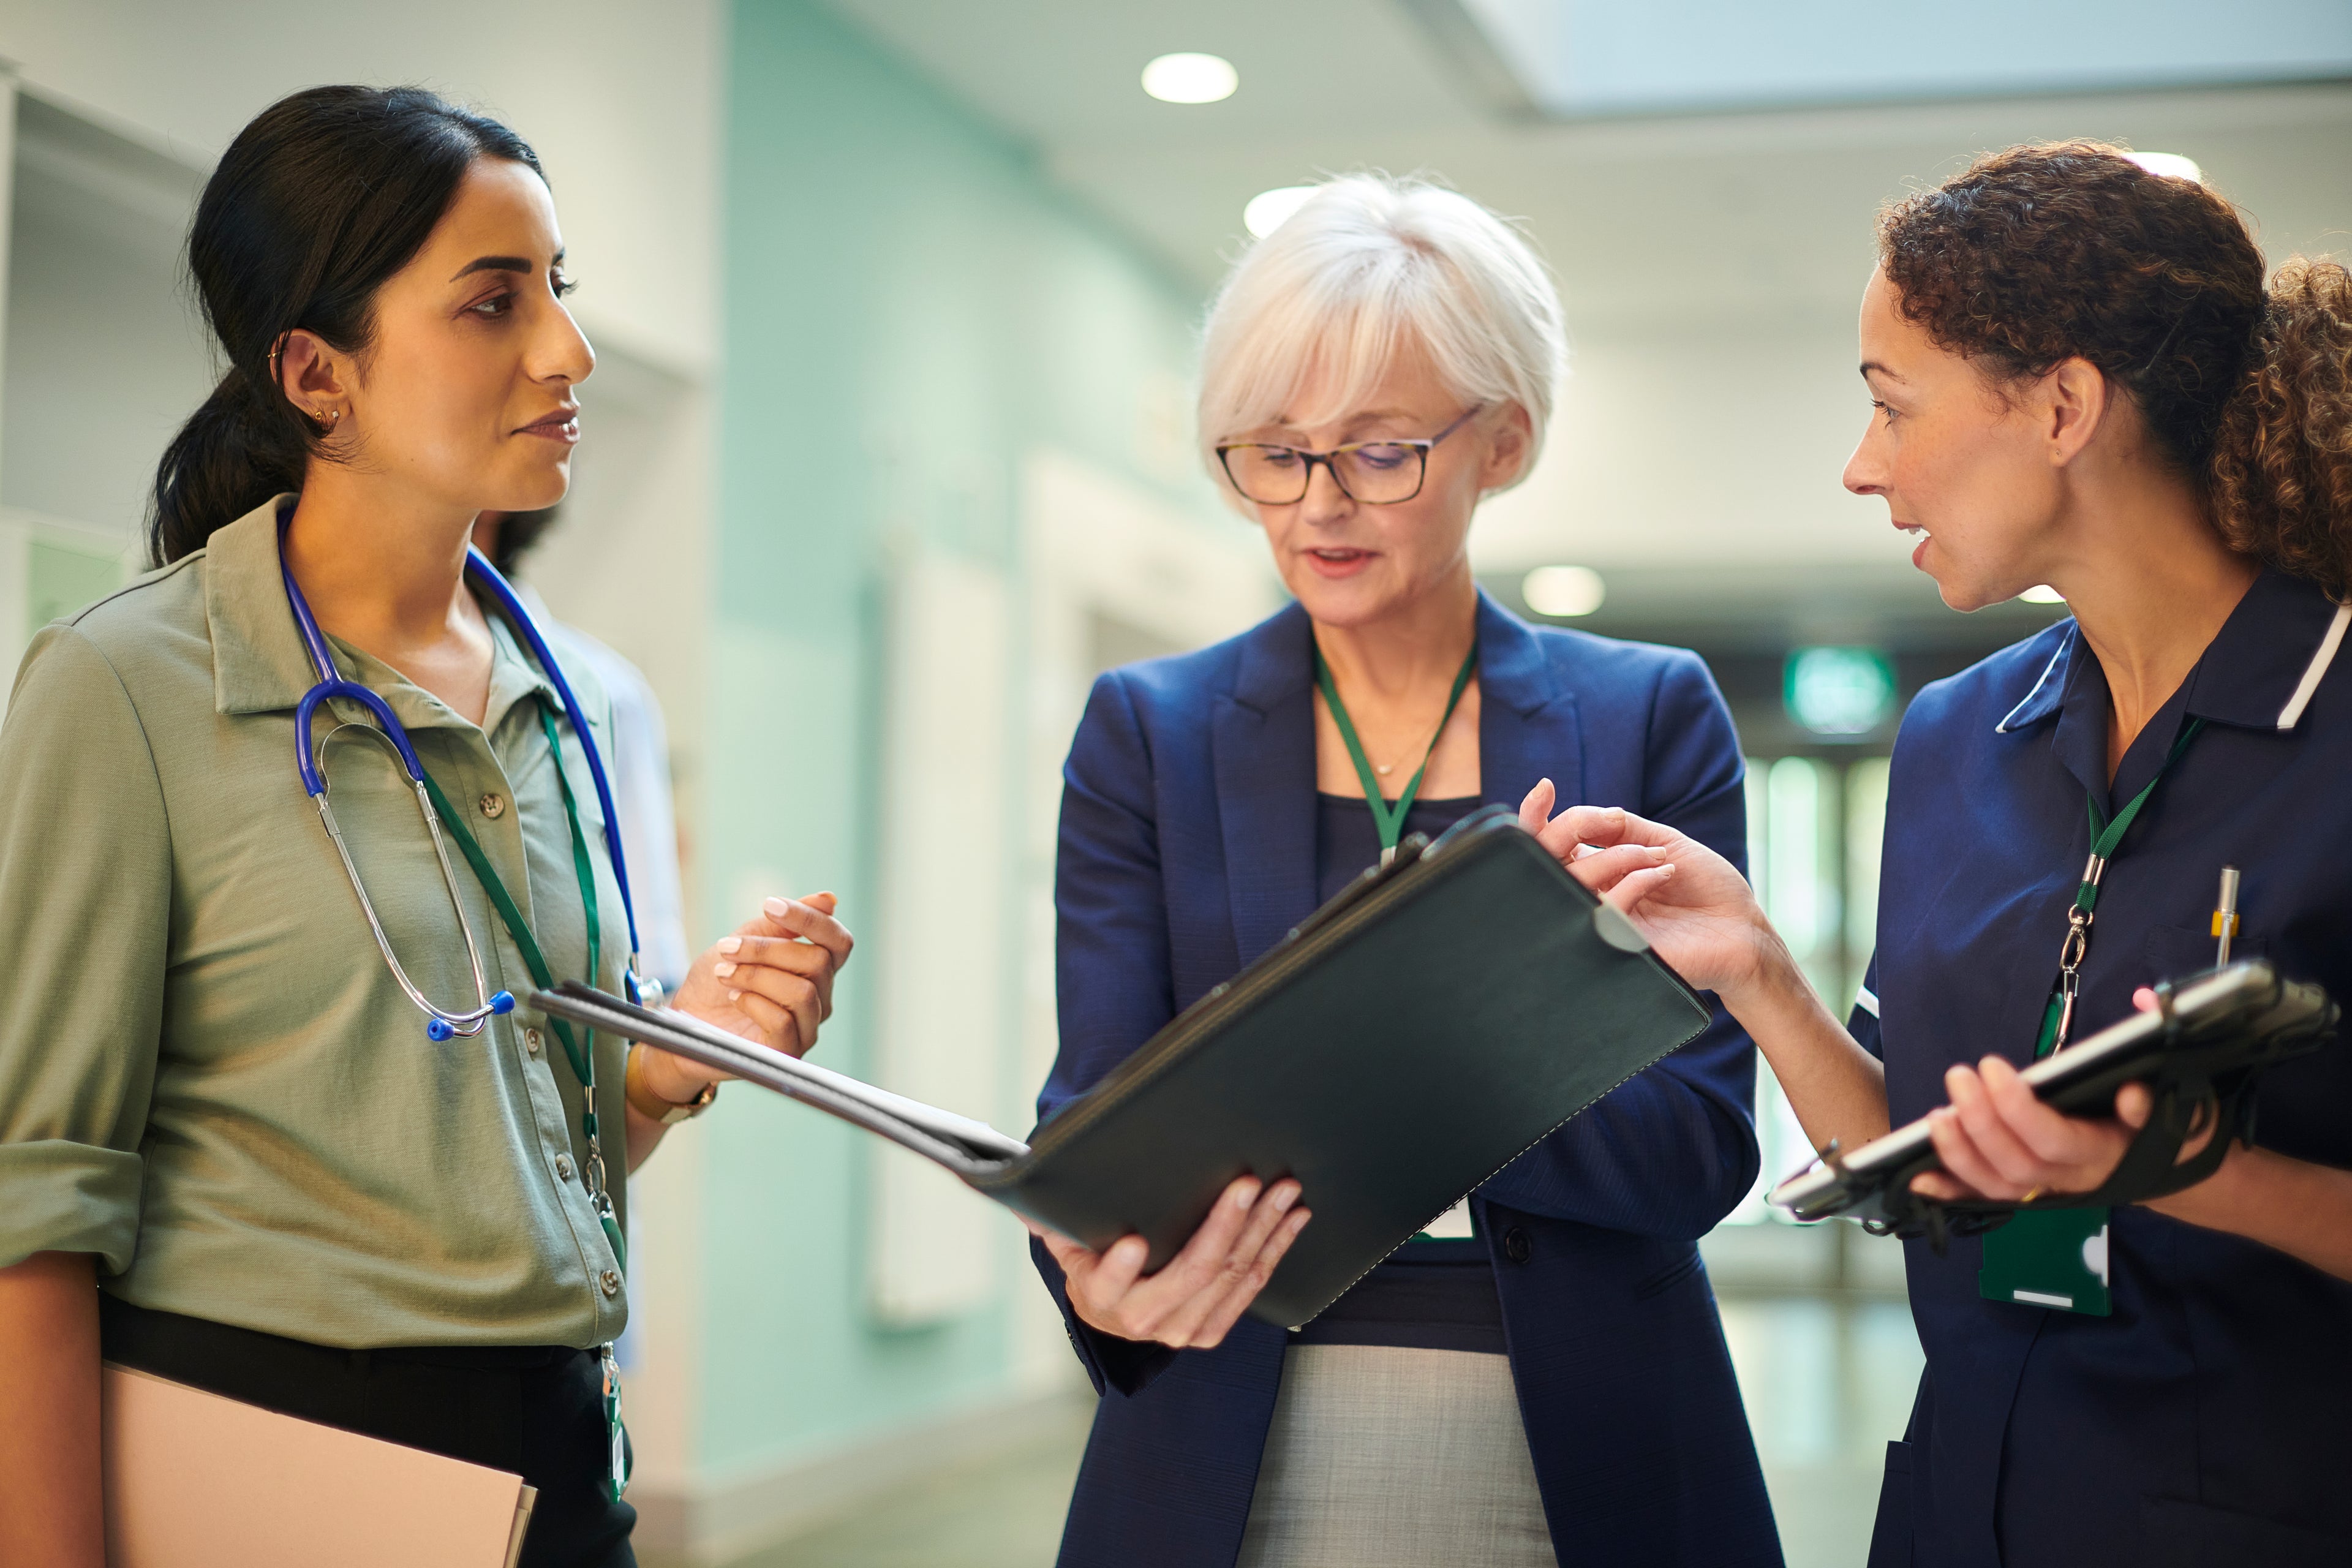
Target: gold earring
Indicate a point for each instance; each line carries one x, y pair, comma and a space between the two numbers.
328, 420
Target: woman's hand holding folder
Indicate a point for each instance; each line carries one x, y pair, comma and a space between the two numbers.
1195, 1299
771, 981
1996, 1139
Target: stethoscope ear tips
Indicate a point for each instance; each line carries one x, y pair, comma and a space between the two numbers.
443, 1029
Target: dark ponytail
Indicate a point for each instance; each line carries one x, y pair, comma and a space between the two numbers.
321, 198
2045, 253
2283, 460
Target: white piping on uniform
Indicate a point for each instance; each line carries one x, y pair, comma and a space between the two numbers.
2064, 644
1867, 1000
2290, 714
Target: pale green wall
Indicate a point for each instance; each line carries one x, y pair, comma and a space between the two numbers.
908, 308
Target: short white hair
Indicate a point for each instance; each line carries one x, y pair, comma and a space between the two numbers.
1368, 269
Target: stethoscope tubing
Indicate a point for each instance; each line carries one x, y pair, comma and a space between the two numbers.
331, 685
519, 619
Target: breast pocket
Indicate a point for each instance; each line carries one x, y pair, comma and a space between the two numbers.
2176, 952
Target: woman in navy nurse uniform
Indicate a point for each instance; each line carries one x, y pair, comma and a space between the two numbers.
1546, 1380
2080, 378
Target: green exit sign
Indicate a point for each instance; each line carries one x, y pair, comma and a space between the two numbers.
1839, 691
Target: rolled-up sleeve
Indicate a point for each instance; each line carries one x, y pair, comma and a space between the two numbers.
85, 918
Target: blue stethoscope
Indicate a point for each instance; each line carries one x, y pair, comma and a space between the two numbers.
441, 1023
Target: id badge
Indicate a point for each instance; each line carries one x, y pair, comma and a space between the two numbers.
2056, 1259
1457, 1224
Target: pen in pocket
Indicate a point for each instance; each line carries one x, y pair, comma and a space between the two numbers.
2225, 916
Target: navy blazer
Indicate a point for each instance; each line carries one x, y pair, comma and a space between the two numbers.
1187, 849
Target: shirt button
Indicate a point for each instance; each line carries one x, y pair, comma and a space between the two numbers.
494, 807
1516, 1247
563, 1166
609, 1282
531, 1041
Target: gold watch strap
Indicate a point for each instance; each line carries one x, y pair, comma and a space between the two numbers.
669, 1113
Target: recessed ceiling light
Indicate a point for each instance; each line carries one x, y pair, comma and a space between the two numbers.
2044, 594
1269, 210
1191, 79
2172, 166
1563, 591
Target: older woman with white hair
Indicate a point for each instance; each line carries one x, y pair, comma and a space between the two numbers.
1543, 1379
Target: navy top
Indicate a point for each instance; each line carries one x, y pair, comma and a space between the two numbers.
1437, 1294
2209, 1419
1187, 849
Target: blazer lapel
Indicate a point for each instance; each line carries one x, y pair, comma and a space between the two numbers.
1527, 725
1263, 742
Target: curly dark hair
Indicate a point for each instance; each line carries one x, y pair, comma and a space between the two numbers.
2041, 254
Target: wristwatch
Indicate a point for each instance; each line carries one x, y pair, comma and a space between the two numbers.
669, 1113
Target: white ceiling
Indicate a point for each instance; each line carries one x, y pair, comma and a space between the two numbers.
1717, 213
1710, 263
1604, 57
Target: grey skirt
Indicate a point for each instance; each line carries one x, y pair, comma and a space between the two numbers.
1382, 1457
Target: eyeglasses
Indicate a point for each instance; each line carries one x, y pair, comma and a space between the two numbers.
1376, 473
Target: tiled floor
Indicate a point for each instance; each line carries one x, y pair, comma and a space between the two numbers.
1004, 1513
1827, 1382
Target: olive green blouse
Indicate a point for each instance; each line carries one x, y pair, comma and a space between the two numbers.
208, 1077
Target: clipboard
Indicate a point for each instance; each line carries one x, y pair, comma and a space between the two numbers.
1420, 1032
2219, 1030
196, 1480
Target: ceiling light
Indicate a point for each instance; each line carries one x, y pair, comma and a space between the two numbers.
1191, 79
1268, 210
2044, 594
1563, 591
2172, 166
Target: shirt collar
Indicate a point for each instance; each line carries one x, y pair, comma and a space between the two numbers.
2258, 673
2050, 670
2271, 654
259, 664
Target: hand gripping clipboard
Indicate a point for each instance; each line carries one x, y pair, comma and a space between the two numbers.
2206, 1045
1419, 1033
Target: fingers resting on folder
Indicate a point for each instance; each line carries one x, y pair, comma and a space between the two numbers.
1998, 1139
770, 980
1195, 1299
1692, 904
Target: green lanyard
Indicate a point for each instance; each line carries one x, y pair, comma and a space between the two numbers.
580, 1050
2057, 1258
2106, 835
1388, 819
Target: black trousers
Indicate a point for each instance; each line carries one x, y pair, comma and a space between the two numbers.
532, 1410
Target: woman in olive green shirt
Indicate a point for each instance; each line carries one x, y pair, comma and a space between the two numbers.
214, 1097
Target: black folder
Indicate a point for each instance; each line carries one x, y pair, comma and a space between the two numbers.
1415, 1036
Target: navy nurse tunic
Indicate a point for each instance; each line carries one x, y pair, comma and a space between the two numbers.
2208, 1420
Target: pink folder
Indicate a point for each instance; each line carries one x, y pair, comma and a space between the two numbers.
195, 1480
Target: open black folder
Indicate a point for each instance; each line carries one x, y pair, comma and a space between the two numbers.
1415, 1036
